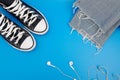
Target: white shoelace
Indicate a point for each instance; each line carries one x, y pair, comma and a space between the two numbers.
7, 28
23, 12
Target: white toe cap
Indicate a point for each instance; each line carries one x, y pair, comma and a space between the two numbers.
41, 27
27, 44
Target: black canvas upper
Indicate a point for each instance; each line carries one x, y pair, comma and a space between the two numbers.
39, 17
6, 2
14, 34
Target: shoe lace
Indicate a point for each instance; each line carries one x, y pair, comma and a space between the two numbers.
25, 13
9, 30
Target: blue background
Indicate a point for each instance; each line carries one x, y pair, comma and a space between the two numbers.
57, 46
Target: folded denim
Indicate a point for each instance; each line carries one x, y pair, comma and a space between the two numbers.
96, 21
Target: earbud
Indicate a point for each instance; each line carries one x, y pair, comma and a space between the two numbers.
74, 79
50, 64
71, 63
71, 66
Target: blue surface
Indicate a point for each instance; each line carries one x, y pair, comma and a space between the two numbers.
57, 46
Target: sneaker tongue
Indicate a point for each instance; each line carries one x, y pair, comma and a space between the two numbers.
7, 2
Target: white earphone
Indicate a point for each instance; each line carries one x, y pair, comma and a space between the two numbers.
50, 64
71, 64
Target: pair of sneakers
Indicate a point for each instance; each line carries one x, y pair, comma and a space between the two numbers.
17, 37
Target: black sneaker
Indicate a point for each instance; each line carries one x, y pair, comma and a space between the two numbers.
30, 17
17, 37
